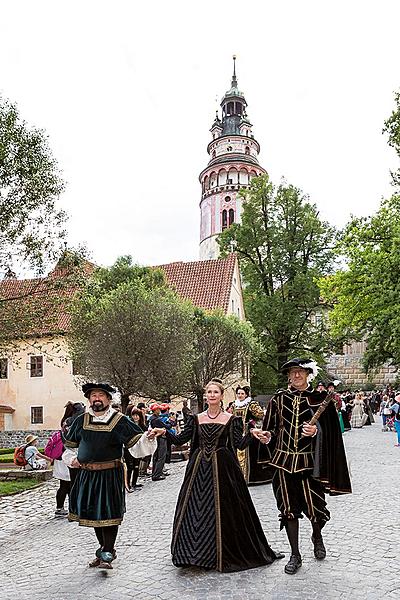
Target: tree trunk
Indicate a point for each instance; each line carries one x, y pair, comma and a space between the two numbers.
124, 402
197, 403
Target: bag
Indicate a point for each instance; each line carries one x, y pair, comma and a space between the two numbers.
144, 447
54, 447
387, 411
19, 456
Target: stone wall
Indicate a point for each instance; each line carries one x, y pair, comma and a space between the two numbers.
348, 369
11, 439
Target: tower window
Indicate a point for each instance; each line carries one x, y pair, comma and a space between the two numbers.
227, 198
229, 148
214, 154
247, 150
231, 216
224, 220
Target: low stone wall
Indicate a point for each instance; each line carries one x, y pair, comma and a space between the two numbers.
348, 369
12, 439
14, 474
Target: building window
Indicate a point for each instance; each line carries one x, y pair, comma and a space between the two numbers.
227, 198
36, 366
229, 148
224, 219
3, 368
231, 216
247, 150
36, 415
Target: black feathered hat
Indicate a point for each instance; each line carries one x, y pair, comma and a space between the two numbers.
88, 387
304, 363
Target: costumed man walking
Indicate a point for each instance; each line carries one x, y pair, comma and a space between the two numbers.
94, 445
309, 460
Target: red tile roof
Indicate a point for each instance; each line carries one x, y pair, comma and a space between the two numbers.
42, 303
207, 283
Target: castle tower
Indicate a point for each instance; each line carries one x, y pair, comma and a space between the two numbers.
233, 163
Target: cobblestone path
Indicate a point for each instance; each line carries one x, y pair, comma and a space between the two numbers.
44, 558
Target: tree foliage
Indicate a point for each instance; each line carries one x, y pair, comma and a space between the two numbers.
30, 184
223, 347
392, 128
365, 297
284, 248
130, 329
31, 309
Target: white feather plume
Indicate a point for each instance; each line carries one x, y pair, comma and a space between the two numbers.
314, 369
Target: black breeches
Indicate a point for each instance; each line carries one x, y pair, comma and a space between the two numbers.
62, 492
106, 537
297, 494
159, 457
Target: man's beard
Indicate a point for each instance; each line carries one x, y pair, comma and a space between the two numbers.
98, 406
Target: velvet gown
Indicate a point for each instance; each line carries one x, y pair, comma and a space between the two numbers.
216, 525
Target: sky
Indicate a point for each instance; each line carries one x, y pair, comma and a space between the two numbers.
127, 93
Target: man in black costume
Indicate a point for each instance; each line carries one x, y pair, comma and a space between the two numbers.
309, 460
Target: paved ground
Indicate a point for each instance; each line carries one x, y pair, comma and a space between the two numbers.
45, 558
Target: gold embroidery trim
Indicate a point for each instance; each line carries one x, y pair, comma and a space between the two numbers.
69, 444
186, 500
115, 418
218, 535
133, 440
92, 523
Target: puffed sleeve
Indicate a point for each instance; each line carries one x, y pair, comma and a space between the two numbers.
130, 433
256, 410
185, 435
271, 417
72, 437
240, 441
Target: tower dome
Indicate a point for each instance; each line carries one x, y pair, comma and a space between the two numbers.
233, 162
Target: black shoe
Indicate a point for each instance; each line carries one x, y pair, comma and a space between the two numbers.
138, 486
278, 555
319, 548
130, 490
293, 565
160, 478
166, 473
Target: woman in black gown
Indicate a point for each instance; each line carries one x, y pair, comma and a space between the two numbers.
216, 525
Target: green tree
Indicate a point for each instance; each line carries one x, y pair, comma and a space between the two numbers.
284, 248
365, 297
223, 347
392, 128
130, 329
33, 308
30, 184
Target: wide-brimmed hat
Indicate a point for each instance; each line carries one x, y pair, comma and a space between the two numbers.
31, 438
88, 387
304, 363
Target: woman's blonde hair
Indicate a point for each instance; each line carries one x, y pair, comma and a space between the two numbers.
216, 382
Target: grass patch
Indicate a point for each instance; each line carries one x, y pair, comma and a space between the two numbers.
6, 451
6, 458
13, 487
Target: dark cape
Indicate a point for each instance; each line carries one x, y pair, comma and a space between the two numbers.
330, 463
323, 456
216, 525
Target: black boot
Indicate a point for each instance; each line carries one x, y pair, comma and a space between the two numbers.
319, 548
293, 565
